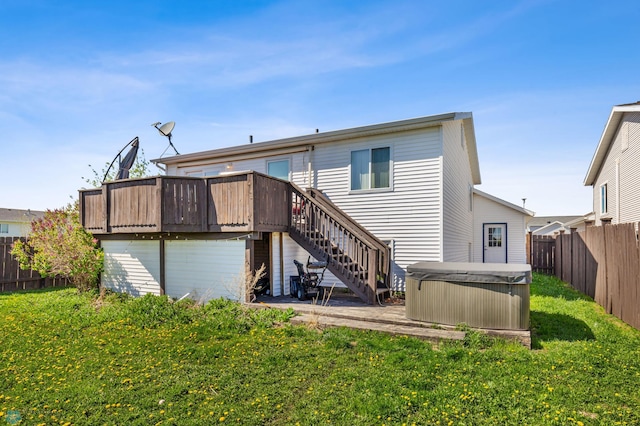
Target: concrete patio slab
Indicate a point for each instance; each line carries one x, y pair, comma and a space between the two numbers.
346, 310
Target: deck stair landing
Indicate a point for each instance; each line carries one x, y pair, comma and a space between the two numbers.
390, 318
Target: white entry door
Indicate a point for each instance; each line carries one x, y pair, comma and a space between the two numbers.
495, 243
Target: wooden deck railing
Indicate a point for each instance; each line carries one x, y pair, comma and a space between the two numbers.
244, 202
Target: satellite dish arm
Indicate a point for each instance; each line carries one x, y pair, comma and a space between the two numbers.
118, 155
171, 143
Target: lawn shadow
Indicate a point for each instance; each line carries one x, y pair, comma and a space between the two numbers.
546, 327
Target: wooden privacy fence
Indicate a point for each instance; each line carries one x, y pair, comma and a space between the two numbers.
604, 263
13, 278
541, 253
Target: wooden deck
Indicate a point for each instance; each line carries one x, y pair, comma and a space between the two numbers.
244, 202
240, 203
343, 310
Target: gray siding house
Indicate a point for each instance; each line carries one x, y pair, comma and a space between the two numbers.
614, 172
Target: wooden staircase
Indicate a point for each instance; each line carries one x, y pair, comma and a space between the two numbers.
353, 254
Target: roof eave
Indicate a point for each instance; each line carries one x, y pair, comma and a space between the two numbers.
504, 202
469, 131
317, 138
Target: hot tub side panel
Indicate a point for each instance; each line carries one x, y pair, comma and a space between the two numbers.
480, 305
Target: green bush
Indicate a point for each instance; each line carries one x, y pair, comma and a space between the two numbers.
59, 246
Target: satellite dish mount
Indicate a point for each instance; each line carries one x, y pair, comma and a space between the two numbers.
165, 130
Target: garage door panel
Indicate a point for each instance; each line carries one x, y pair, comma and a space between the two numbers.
205, 269
131, 267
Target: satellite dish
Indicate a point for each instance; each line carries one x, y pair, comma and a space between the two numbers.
165, 130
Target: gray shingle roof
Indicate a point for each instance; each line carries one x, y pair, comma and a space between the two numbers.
18, 215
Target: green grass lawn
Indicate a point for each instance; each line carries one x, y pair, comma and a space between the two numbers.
67, 358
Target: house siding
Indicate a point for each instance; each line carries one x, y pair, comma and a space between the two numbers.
457, 186
619, 196
16, 229
132, 266
278, 284
292, 251
409, 213
488, 211
630, 170
298, 163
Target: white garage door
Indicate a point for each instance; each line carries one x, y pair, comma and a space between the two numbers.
205, 270
132, 266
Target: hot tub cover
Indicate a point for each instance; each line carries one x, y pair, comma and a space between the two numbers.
499, 273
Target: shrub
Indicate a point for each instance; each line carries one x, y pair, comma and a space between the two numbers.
59, 246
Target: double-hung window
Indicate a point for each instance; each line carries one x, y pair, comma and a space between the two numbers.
4, 228
370, 168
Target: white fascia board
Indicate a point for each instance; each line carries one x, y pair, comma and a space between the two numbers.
503, 202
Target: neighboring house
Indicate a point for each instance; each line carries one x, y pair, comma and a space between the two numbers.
375, 200
16, 222
554, 225
614, 172
580, 224
500, 226
548, 225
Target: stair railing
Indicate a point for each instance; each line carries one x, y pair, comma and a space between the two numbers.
360, 258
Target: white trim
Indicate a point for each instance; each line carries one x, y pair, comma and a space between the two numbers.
503, 202
604, 185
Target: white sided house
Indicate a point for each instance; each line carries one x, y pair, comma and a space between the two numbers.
500, 226
370, 200
614, 172
17, 222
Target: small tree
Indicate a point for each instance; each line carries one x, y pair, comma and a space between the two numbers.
59, 246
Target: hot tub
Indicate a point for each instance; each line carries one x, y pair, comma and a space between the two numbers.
481, 295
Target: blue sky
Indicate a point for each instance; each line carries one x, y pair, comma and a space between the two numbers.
79, 79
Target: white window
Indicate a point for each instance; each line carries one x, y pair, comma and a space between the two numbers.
4, 228
279, 169
603, 199
370, 168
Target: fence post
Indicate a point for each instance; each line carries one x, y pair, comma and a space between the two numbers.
557, 261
